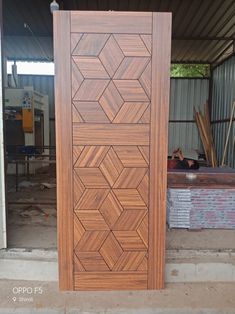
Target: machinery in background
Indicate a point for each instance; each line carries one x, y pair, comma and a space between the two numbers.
27, 125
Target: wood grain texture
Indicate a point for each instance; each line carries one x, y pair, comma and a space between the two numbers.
113, 22
215, 180
161, 43
129, 198
131, 90
91, 67
130, 156
91, 156
92, 219
110, 280
111, 250
117, 104
90, 44
64, 162
129, 261
110, 134
131, 112
132, 45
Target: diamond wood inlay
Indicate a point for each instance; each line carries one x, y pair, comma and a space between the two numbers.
145, 152
143, 230
111, 101
132, 45
76, 116
92, 220
131, 90
76, 152
91, 67
129, 240
111, 250
78, 188
145, 79
130, 178
90, 44
129, 219
92, 261
129, 198
92, 199
91, 112
91, 241
77, 78
111, 166
77, 264
131, 68
146, 116
75, 37
111, 209
129, 261
78, 230
113, 124
92, 178
130, 156
91, 156
111, 56
130, 112
147, 41
143, 265
91, 90
143, 188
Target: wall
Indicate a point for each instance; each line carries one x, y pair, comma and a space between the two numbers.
185, 94
223, 95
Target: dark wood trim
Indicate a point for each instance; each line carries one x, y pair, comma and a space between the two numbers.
222, 120
161, 43
181, 121
219, 38
63, 147
210, 94
189, 78
190, 62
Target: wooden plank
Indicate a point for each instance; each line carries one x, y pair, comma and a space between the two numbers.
64, 162
110, 134
114, 22
161, 43
110, 280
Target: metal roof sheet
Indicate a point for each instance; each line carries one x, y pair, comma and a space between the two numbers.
203, 30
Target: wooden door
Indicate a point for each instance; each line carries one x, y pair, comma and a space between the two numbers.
112, 94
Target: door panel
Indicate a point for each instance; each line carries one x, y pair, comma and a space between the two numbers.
112, 87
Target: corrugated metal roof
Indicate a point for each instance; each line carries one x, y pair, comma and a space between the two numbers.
202, 29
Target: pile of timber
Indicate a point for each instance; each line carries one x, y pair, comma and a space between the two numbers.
202, 118
201, 208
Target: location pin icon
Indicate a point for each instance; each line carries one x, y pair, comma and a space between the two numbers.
14, 299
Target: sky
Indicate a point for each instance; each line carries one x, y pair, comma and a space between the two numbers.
37, 68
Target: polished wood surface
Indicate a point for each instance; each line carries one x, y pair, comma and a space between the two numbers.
201, 179
118, 106
64, 163
112, 22
158, 147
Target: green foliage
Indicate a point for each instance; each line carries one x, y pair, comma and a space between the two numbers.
190, 70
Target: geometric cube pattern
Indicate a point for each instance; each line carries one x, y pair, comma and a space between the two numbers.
111, 78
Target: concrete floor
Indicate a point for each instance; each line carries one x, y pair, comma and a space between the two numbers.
44, 297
